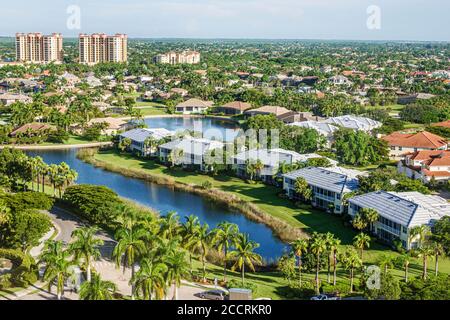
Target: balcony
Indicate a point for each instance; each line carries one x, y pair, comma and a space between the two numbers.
396, 232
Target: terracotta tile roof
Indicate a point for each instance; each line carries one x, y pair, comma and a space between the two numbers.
427, 154
435, 173
238, 105
445, 124
270, 109
33, 127
421, 139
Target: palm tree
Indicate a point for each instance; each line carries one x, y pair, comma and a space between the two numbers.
351, 261
176, 156
330, 243
85, 247
170, 225
333, 245
405, 260
225, 236
422, 231
438, 251
361, 241
259, 166
425, 252
97, 289
129, 246
359, 223
57, 266
190, 230
299, 247
317, 247
244, 255
177, 269
371, 216
386, 262
200, 241
150, 278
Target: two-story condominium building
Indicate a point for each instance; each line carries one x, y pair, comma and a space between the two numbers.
139, 136
329, 185
400, 212
271, 159
193, 106
401, 144
426, 165
192, 151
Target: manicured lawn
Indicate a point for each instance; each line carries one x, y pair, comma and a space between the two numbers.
153, 111
265, 197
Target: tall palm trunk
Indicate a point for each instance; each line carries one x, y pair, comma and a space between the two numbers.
175, 291
329, 268
225, 264
425, 267
88, 270
334, 267
436, 266
300, 262
204, 267
133, 271
317, 273
406, 272
243, 274
351, 280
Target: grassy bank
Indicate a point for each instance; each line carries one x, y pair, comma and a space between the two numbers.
293, 221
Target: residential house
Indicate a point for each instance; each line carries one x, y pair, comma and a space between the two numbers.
267, 110
354, 123
192, 151
113, 125
8, 98
33, 129
325, 129
193, 106
293, 116
426, 165
401, 144
399, 213
234, 108
340, 80
140, 135
443, 124
179, 91
328, 185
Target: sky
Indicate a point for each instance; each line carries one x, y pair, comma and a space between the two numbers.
421, 20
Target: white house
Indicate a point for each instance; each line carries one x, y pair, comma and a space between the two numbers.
325, 129
8, 98
191, 151
328, 185
340, 80
140, 135
400, 212
354, 123
193, 106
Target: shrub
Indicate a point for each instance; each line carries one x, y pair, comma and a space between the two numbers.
28, 200
207, 184
25, 229
238, 284
305, 292
95, 203
24, 271
339, 288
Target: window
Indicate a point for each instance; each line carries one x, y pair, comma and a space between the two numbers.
338, 196
404, 229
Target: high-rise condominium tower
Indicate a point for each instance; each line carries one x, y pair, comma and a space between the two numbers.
38, 48
100, 47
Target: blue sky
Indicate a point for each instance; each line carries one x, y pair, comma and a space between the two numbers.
286, 19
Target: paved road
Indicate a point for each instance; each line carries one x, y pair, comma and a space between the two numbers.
67, 223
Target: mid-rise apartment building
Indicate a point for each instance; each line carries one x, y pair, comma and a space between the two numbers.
99, 47
39, 48
185, 57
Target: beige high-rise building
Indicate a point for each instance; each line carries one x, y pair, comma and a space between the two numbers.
99, 47
39, 48
187, 57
